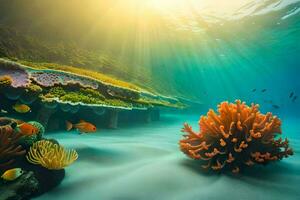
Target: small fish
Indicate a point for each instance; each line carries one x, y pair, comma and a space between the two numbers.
82, 126
3, 111
27, 129
275, 106
291, 94
21, 108
263, 90
254, 90
12, 174
268, 101
294, 99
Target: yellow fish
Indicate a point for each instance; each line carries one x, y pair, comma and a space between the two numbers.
21, 108
12, 174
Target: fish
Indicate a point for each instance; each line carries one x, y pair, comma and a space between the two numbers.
12, 174
27, 129
82, 126
294, 99
21, 108
3, 111
263, 90
268, 101
291, 94
254, 90
275, 106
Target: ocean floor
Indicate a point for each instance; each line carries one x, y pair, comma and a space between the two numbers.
143, 162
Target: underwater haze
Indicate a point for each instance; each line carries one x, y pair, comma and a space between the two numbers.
180, 58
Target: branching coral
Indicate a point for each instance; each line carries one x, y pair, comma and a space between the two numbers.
51, 156
236, 137
9, 148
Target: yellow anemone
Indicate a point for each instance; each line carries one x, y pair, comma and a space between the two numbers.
51, 156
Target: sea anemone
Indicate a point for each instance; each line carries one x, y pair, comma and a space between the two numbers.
50, 155
236, 137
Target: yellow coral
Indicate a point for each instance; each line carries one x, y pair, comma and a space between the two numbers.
5, 80
238, 136
51, 156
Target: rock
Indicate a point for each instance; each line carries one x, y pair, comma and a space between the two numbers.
22, 188
48, 179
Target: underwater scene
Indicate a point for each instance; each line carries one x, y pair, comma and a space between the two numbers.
149, 99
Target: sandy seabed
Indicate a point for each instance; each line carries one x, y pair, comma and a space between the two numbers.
143, 162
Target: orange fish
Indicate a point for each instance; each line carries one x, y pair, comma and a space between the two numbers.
27, 129
82, 126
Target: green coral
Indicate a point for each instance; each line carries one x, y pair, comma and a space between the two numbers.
76, 97
57, 92
76, 94
118, 103
34, 88
40, 127
92, 93
84, 95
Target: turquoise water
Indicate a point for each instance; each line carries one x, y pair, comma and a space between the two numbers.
225, 62
143, 162
195, 54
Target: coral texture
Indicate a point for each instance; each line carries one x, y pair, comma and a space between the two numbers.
236, 137
29, 140
51, 156
40, 127
7, 125
49, 78
54, 85
9, 148
5, 81
18, 75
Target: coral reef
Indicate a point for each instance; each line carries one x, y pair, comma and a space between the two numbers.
36, 179
51, 87
87, 96
18, 75
7, 88
31, 94
238, 136
40, 127
51, 156
95, 75
5, 81
49, 78
27, 141
57, 84
7, 125
9, 148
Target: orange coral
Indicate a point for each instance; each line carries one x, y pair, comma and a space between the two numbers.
238, 136
9, 148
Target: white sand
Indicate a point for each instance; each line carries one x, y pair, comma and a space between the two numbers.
144, 162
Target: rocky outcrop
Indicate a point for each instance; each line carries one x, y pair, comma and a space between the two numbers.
22, 188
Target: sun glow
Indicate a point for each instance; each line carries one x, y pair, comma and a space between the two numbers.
218, 7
